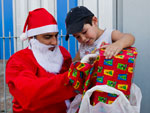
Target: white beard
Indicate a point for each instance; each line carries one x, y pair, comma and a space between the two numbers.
51, 61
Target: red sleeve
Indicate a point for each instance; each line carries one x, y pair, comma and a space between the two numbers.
67, 59
33, 92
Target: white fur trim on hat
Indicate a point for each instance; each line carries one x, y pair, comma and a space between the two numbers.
23, 36
41, 30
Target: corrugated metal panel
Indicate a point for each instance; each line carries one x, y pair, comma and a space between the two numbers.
103, 10
21, 9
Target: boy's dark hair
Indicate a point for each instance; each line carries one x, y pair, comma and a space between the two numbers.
76, 18
88, 20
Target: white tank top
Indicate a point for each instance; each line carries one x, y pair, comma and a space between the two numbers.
105, 37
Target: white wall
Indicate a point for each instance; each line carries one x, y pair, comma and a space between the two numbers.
20, 11
136, 20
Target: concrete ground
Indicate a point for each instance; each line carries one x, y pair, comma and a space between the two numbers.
8, 96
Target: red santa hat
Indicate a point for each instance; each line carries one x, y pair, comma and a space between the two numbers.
39, 21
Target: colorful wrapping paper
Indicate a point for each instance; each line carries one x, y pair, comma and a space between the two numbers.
116, 72
78, 74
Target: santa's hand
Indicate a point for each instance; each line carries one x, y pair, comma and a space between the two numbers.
89, 58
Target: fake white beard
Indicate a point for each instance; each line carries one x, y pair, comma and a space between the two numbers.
51, 61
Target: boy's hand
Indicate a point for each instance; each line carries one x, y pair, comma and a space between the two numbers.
111, 50
89, 58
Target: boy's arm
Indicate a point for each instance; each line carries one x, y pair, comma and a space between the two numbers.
77, 57
123, 39
120, 41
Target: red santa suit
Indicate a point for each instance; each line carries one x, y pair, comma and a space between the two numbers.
37, 76
34, 89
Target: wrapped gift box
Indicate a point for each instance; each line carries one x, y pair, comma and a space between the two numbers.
116, 72
78, 73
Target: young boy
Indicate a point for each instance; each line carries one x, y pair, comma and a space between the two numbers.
83, 25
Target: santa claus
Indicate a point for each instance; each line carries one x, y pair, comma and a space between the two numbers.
36, 76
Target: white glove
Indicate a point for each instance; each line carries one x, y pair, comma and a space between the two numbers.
89, 58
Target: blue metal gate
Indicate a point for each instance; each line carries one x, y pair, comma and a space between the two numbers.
6, 28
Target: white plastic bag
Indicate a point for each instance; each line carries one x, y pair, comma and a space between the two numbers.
120, 105
75, 104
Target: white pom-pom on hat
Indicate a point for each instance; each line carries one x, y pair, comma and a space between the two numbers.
23, 36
